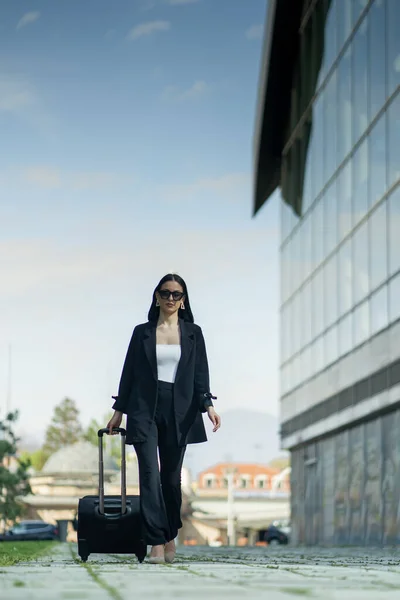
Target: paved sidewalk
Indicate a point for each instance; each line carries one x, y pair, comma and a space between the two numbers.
212, 573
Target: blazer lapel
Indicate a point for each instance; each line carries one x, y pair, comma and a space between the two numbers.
149, 343
187, 342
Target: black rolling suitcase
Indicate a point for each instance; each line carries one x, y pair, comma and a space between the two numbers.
110, 524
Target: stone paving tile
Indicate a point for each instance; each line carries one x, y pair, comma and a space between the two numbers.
208, 573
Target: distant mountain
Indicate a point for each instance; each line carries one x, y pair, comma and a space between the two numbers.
245, 436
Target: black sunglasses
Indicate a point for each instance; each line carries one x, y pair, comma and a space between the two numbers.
165, 295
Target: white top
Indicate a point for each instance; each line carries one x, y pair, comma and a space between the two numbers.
168, 357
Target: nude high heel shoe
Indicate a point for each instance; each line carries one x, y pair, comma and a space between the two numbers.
157, 555
170, 551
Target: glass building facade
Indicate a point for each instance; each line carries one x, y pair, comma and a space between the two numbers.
340, 273
340, 269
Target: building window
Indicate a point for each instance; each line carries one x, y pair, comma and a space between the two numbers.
360, 182
318, 139
377, 57
210, 480
344, 105
378, 241
344, 192
326, 12
318, 233
394, 228
331, 345
261, 481
331, 291
345, 277
296, 323
306, 297
394, 139
244, 481
344, 22
346, 334
318, 354
393, 41
361, 323
330, 126
361, 263
377, 161
379, 310
318, 294
358, 7
330, 219
394, 299
359, 81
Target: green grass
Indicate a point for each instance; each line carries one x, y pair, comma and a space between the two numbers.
11, 553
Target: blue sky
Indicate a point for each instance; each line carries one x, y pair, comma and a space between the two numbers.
126, 152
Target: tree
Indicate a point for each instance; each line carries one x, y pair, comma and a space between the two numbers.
281, 462
14, 482
113, 442
37, 458
64, 429
90, 435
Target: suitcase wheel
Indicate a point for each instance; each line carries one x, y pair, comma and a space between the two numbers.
83, 550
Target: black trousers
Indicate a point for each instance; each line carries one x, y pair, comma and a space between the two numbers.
160, 482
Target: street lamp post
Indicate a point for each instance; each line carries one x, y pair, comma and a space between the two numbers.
231, 530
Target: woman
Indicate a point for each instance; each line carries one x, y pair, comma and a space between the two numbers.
164, 390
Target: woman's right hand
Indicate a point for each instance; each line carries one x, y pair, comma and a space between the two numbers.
115, 421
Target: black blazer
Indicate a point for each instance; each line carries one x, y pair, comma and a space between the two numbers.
137, 393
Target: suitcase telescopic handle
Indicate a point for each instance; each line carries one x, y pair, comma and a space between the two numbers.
106, 430
100, 434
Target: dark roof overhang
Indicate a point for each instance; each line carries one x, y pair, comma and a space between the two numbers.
280, 52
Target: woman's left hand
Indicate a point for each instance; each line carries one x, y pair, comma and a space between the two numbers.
214, 418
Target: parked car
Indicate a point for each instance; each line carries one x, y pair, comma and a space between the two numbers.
30, 530
283, 526
274, 536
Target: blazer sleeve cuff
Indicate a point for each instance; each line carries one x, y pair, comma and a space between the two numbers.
118, 404
206, 401
206, 404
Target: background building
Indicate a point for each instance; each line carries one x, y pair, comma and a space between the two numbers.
260, 496
328, 133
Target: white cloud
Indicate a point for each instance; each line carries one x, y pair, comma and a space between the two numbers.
20, 99
255, 32
15, 94
27, 18
177, 94
145, 29
44, 177
230, 185
30, 264
48, 177
92, 180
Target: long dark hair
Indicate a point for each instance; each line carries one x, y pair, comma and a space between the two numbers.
185, 314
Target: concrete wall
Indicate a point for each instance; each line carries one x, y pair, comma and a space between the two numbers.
346, 487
